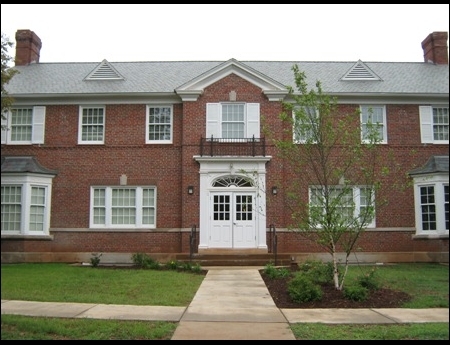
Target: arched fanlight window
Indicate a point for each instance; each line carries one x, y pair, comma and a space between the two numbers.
233, 181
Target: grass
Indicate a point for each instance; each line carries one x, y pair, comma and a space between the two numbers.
17, 327
65, 283
413, 331
426, 283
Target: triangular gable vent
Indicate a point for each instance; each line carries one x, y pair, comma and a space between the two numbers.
104, 71
360, 71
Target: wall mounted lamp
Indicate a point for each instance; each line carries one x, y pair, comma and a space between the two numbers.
190, 190
274, 190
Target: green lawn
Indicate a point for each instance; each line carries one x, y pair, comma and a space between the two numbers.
427, 283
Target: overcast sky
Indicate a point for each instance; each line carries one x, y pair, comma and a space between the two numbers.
186, 32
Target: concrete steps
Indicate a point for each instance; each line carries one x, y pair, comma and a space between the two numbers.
236, 259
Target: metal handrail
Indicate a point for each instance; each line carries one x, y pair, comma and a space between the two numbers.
273, 245
232, 146
192, 241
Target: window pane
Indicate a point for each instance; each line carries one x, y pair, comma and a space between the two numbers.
233, 121
99, 215
21, 124
128, 207
372, 118
446, 207
428, 208
365, 201
123, 216
160, 123
11, 208
123, 197
37, 209
148, 216
123, 210
440, 123
148, 206
92, 124
304, 120
221, 207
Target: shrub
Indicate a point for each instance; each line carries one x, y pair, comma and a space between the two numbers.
302, 289
369, 280
95, 259
144, 261
196, 268
270, 270
274, 272
317, 271
186, 266
173, 265
356, 293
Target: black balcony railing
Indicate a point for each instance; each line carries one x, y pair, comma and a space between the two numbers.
232, 146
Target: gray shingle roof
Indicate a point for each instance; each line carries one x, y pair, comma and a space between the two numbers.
165, 77
435, 164
23, 164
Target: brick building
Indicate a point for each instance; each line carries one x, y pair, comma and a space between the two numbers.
117, 157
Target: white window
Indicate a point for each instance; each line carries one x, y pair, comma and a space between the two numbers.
431, 200
159, 124
123, 207
25, 126
304, 121
232, 120
373, 115
25, 205
434, 124
348, 202
91, 129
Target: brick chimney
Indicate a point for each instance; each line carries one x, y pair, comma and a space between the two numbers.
28, 47
435, 49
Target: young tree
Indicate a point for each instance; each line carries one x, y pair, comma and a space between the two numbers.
336, 159
7, 74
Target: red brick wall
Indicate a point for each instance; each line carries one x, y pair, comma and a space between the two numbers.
172, 169
124, 152
178, 242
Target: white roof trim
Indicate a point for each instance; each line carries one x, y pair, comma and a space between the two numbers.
273, 89
360, 71
104, 71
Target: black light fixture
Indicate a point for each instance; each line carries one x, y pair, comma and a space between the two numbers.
274, 190
190, 190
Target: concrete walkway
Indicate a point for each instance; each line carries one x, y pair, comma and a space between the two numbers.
232, 303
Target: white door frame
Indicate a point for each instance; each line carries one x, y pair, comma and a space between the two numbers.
232, 218
212, 168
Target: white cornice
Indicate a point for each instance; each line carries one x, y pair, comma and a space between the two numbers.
273, 89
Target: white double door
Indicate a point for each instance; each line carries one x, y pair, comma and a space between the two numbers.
232, 220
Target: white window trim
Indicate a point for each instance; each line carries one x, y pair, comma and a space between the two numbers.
426, 124
37, 127
357, 199
27, 181
438, 181
299, 141
252, 120
385, 138
108, 207
147, 124
80, 125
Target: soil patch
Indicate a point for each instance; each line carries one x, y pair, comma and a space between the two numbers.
332, 298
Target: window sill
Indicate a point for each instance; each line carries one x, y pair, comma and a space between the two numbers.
28, 237
430, 237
